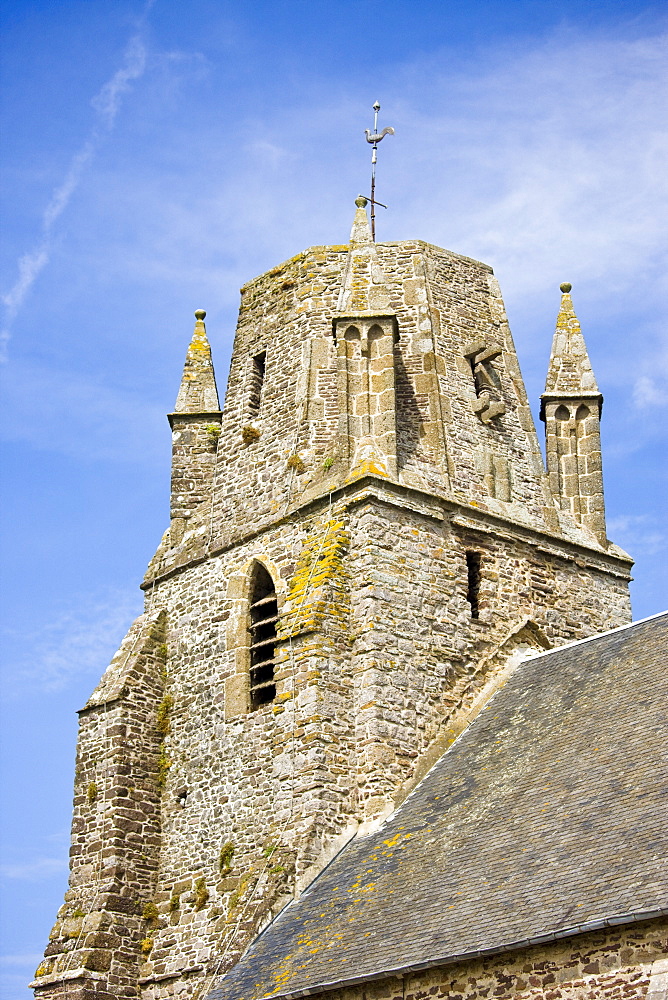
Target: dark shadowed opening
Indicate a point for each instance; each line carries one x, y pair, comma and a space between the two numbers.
473, 592
263, 617
256, 382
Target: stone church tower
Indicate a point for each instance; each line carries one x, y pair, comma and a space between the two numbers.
363, 542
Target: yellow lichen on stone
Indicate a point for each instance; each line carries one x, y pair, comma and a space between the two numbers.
368, 467
318, 587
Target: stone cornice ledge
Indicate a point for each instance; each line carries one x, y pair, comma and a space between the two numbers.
161, 977
183, 416
420, 502
65, 977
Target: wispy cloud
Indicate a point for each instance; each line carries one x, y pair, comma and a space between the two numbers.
33, 871
106, 423
638, 533
108, 101
78, 642
552, 158
106, 105
648, 393
547, 162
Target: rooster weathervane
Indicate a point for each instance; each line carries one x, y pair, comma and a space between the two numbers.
374, 138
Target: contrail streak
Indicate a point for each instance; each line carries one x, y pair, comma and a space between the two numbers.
106, 104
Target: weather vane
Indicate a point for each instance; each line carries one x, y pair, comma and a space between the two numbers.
374, 138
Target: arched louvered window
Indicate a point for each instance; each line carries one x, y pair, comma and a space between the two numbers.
263, 617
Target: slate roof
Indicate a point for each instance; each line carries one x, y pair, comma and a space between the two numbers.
545, 818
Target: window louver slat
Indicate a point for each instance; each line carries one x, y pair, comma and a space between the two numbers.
265, 621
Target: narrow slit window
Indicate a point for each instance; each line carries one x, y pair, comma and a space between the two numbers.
473, 591
258, 364
263, 618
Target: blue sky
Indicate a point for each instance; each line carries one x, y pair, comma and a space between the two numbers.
157, 156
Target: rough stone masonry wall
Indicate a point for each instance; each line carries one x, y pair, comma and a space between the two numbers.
418, 654
626, 963
250, 797
194, 444
380, 648
286, 313
574, 462
467, 305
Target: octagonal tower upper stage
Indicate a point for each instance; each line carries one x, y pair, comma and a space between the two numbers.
390, 363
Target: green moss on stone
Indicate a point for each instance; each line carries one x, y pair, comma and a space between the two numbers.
164, 764
164, 709
249, 434
201, 893
212, 433
150, 912
225, 858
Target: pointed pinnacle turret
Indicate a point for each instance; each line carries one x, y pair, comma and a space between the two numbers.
198, 392
361, 232
571, 410
364, 287
570, 372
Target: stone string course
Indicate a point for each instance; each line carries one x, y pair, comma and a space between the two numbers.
207, 817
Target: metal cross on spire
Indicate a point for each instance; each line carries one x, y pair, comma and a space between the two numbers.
374, 138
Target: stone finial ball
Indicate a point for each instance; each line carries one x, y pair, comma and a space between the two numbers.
361, 201
565, 286
200, 314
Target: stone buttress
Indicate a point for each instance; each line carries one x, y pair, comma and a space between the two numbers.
95, 947
362, 543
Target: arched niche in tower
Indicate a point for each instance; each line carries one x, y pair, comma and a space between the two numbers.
366, 390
